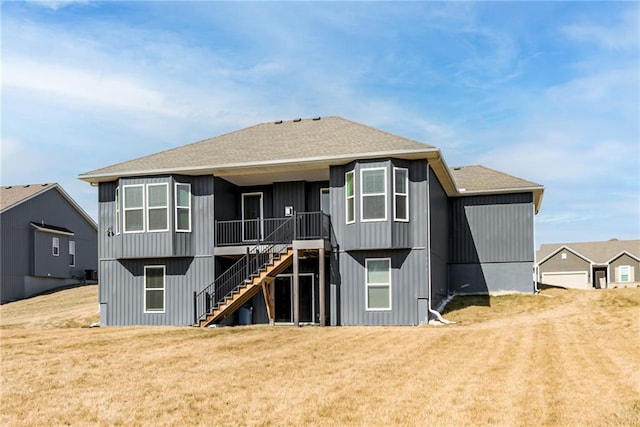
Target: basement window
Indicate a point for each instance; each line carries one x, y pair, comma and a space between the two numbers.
154, 289
378, 286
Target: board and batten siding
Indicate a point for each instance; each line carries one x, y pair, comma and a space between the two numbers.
408, 285
439, 229
387, 234
122, 290
21, 245
491, 246
164, 243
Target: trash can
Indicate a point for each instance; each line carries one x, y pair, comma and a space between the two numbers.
245, 315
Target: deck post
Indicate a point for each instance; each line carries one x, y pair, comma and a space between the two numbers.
296, 289
321, 286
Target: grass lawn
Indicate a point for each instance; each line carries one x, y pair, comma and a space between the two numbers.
570, 358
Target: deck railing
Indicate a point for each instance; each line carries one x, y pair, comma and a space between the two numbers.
308, 226
301, 226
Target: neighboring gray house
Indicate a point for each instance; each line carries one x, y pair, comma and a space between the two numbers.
586, 265
319, 221
47, 240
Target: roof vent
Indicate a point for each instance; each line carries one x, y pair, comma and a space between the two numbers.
8, 187
278, 122
316, 118
27, 186
457, 168
297, 120
45, 184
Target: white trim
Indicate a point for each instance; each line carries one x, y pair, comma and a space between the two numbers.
352, 197
376, 285
362, 195
55, 246
118, 210
149, 208
552, 254
125, 209
260, 220
405, 194
176, 207
625, 252
72, 253
164, 288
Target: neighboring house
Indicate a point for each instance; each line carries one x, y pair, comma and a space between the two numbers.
586, 265
47, 240
314, 221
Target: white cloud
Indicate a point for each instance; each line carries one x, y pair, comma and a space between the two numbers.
86, 85
620, 35
57, 4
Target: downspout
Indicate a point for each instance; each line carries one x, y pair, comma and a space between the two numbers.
536, 271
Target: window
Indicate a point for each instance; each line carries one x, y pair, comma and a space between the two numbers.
183, 207
133, 208
401, 194
158, 207
378, 273
72, 253
350, 197
625, 273
154, 284
55, 246
117, 210
373, 185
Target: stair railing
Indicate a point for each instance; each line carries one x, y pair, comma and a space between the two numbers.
215, 294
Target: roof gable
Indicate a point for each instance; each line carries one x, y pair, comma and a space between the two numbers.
15, 195
597, 252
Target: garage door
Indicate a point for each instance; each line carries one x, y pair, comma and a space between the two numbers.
575, 280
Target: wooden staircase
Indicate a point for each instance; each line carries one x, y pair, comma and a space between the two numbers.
249, 288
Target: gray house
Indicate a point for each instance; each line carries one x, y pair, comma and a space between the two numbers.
586, 265
47, 240
315, 221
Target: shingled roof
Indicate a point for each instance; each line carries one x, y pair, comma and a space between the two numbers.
303, 149
14, 194
597, 252
271, 143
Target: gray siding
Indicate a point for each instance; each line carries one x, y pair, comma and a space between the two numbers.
159, 244
288, 194
380, 234
439, 228
572, 263
408, 286
226, 195
122, 290
491, 230
491, 277
24, 254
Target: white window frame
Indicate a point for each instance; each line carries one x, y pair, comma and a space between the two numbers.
406, 195
362, 195
148, 208
72, 253
348, 198
55, 246
125, 209
177, 207
117, 210
376, 285
624, 270
164, 288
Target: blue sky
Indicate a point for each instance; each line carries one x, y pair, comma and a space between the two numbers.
549, 92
